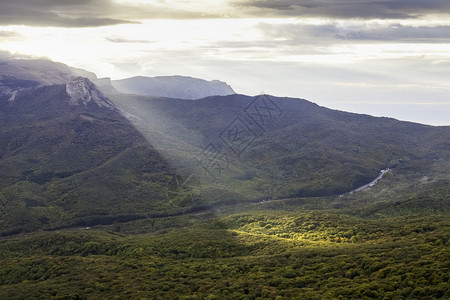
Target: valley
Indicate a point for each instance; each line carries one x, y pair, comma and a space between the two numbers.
105, 195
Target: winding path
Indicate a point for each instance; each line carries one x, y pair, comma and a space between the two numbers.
372, 183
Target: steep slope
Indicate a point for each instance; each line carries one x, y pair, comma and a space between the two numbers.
266, 147
147, 173
182, 87
68, 157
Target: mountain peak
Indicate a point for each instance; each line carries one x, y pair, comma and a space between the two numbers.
83, 92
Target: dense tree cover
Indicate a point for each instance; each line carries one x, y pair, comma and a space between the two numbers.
185, 208
63, 165
250, 255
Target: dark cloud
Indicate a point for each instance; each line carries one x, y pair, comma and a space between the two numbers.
85, 13
363, 9
59, 13
94, 13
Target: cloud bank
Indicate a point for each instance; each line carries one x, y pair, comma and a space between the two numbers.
87, 13
359, 9
97, 13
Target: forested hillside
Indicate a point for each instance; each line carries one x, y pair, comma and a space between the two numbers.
227, 197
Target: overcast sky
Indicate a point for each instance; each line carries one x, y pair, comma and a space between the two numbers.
384, 57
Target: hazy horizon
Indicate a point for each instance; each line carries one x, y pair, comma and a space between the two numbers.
384, 58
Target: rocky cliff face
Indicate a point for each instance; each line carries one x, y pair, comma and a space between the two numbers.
83, 92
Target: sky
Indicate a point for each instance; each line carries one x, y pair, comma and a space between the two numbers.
380, 57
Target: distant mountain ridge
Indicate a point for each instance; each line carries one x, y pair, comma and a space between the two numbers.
71, 156
180, 87
111, 195
18, 74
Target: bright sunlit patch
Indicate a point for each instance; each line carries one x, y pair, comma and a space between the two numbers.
94, 48
217, 39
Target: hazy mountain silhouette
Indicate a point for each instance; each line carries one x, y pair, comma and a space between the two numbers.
182, 87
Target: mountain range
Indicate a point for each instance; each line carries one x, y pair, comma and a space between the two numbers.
71, 155
211, 194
